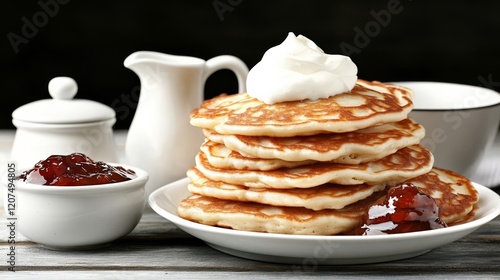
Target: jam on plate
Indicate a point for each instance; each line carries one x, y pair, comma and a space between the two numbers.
404, 209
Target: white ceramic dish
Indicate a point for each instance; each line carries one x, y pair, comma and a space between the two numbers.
314, 250
79, 217
460, 121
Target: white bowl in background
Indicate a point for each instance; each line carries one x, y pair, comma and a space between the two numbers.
461, 122
79, 217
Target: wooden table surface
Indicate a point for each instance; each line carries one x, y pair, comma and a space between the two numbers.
156, 249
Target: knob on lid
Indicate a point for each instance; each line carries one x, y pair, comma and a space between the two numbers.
63, 108
63, 88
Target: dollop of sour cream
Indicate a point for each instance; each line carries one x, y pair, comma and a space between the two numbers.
298, 69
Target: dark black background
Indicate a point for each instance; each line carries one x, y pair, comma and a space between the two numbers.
451, 41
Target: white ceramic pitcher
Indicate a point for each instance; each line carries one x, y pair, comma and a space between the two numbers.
160, 139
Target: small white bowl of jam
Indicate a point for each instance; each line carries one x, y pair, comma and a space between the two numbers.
74, 202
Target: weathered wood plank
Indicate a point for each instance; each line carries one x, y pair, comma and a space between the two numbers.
147, 274
156, 244
173, 250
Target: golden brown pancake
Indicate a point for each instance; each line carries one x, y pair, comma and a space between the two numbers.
326, 196
405, 164
454, 194
220, 156
366, 105
354, 147
250, 216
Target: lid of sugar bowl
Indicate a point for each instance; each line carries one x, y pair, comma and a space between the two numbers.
63, 108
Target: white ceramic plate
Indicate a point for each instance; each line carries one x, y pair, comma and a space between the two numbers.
314, 250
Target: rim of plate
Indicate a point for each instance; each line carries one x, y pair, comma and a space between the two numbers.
483, 194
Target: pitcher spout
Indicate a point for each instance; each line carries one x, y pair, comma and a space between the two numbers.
139, 58
153, 67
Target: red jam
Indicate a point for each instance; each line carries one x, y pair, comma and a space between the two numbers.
74, 170
404, 209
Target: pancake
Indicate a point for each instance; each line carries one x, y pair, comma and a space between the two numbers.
251, 216
220, 156
366, 105
405, 164
455, 195
355, 147
327, 196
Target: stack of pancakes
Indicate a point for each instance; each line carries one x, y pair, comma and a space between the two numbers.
312, 166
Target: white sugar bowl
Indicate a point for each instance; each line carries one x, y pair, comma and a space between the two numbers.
63, 125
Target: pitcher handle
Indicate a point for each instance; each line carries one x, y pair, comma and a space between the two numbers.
228, 62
